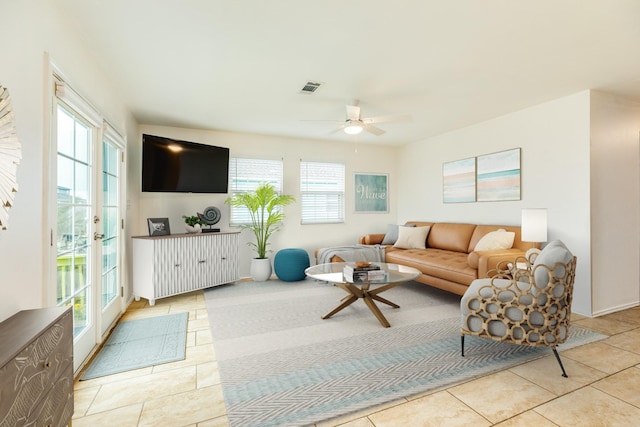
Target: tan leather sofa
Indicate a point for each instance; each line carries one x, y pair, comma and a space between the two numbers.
449, 261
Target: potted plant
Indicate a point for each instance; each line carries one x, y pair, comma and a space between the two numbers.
265, 209
193, 224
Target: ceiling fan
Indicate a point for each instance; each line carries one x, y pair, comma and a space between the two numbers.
354, 124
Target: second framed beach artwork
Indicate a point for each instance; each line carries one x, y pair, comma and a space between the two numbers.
498, 176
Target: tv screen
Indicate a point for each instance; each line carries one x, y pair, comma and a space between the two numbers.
171, 165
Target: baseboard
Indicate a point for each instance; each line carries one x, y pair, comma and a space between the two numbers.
616, 309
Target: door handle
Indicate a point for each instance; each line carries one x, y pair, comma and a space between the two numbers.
97, 236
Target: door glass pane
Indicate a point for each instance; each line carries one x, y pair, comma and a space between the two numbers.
81, 311
65, 126
110, 186
80, 271
65, 279
81, 182
65, 229
109, 254
109, 271
109, 160
81, 227
110, 222
65, 179
82, 142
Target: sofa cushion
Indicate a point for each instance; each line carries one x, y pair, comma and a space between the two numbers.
412, 237
446, 265
391, 237
494, 240
450, 236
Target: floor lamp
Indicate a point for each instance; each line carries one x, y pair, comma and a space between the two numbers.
534, 229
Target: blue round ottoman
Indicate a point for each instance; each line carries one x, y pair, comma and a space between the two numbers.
289, 264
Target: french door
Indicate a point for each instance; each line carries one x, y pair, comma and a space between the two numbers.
88, 247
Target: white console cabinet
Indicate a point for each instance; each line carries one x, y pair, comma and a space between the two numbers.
169, 265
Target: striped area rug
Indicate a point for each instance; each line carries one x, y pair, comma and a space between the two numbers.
282, 365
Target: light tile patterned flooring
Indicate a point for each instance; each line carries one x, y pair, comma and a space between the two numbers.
603, 388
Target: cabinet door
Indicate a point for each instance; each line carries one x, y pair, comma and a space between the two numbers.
57, 407
171, 266
204, 261
225, 255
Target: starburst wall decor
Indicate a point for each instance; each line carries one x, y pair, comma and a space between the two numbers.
10, 156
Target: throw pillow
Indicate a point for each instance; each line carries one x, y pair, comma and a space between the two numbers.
412, 237
554, 252
494, 240
392, 234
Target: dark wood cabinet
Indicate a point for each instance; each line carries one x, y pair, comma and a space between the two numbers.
36, 368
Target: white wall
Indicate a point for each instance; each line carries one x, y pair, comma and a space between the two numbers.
554, 138
615, 202
29, 29
360, 158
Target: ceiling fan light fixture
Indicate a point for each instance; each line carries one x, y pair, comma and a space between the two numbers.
353, 129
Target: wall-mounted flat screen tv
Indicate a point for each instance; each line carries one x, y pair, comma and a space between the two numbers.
171, 165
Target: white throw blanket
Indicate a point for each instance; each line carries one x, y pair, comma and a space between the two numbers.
352, 253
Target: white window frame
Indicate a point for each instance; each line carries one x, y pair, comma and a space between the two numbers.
322, 195
245, 175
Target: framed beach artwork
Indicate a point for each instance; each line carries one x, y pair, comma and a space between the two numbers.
459, 181
371, 193
498, 176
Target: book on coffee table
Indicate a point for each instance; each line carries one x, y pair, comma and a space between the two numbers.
363, 272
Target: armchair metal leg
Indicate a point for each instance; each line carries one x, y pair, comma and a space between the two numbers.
462, 344
555, 352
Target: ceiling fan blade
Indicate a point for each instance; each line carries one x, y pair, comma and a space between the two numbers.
372, 129
322, 121
339, 128
387, 119
353, 112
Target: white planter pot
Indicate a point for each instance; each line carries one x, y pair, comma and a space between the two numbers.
192, 230
260, 269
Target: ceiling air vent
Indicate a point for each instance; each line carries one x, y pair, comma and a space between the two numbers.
310, 87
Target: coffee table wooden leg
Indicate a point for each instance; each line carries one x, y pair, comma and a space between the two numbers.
347, 301
386, 301
376, 311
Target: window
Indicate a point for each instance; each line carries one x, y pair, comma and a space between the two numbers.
245, 175
322, 192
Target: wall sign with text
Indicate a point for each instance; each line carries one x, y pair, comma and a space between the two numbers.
371, 192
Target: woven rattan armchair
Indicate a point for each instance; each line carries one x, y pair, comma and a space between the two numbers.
526, 302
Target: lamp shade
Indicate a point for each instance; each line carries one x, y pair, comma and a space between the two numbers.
534, 225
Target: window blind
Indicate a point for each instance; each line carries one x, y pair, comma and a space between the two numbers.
322, 192
245, 175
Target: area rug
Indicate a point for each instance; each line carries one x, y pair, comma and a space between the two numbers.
140, 343
282, 365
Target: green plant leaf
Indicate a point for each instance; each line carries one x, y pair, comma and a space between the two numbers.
265, 210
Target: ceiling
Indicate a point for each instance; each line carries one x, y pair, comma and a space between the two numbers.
240, 65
